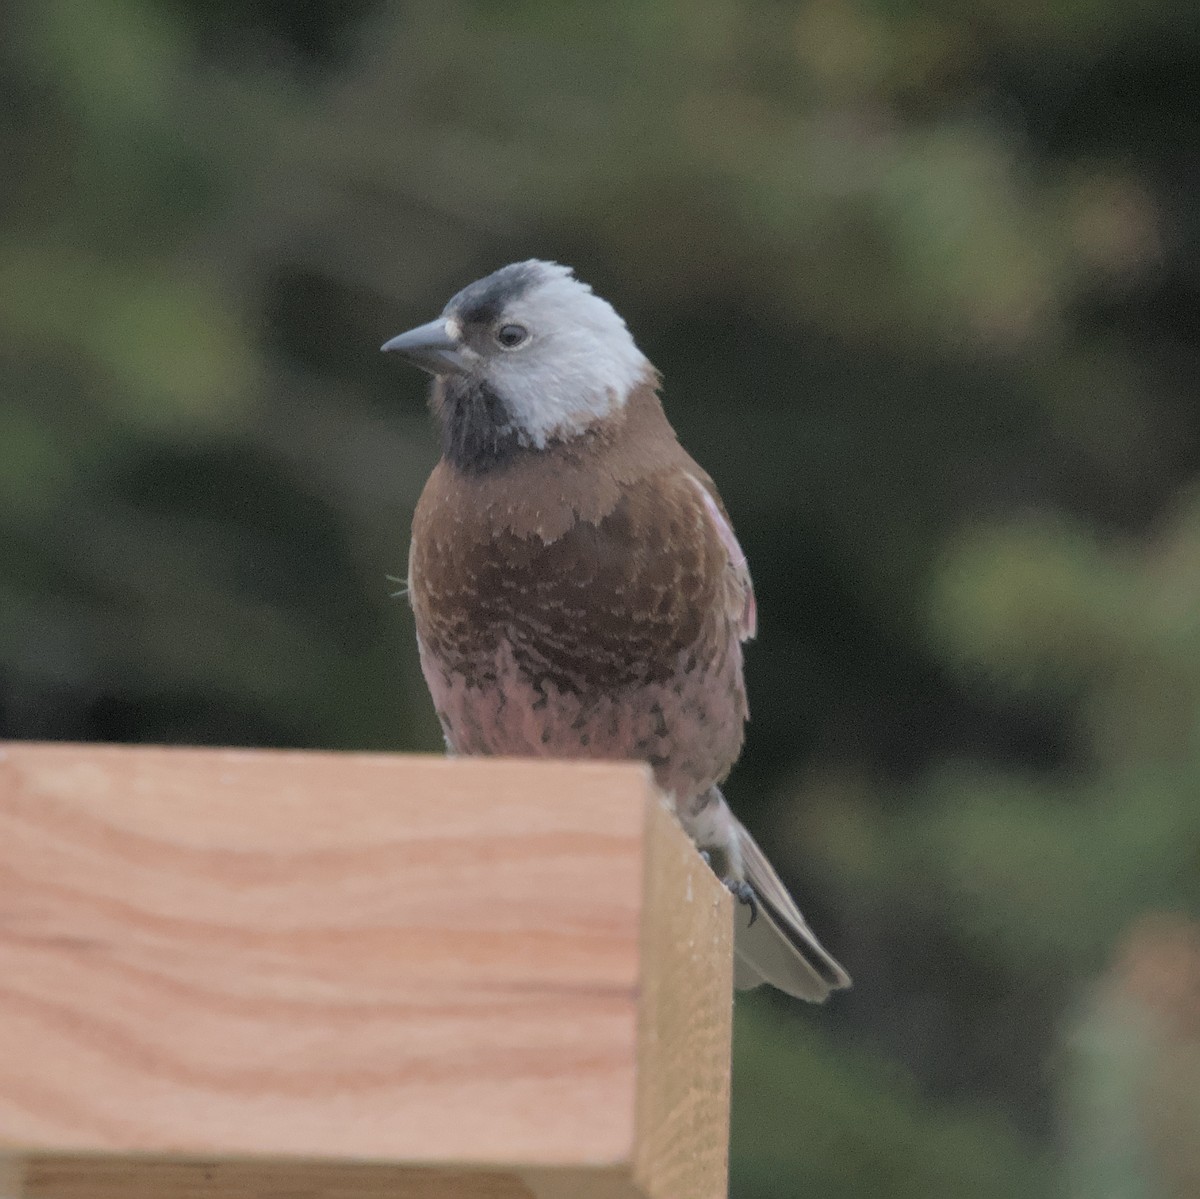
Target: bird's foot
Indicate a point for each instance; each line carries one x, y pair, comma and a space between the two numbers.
743, 892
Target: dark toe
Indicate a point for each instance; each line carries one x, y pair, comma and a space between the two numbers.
743, 892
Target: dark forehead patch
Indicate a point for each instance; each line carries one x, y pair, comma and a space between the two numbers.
482, 302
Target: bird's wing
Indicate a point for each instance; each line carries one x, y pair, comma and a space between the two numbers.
742, 589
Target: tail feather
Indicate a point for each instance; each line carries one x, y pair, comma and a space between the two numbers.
778, 947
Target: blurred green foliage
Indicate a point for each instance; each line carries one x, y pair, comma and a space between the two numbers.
833, 1121
922, 281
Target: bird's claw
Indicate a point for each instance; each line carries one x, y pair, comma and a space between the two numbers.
743, 892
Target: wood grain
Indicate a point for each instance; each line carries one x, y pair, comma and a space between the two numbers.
685, 1019
232, 972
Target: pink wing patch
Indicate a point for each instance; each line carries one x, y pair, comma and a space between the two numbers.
748, 617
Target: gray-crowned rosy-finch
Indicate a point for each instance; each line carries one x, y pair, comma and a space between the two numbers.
577, 585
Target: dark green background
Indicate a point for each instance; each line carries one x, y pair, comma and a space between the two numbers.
924, 283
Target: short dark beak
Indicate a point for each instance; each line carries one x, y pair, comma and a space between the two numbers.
432, 348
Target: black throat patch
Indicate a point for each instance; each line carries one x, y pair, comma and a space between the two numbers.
478, 434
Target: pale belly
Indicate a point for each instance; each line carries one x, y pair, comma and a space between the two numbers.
689, 728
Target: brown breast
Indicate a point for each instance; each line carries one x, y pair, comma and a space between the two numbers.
594, 559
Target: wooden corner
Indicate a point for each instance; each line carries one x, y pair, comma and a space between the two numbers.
269, 974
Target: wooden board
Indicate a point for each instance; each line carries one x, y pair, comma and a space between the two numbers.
232, 972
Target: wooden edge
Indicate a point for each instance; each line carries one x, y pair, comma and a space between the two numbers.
12, 1177
131, 1177
685, 1020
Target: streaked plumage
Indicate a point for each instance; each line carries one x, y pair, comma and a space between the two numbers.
577, 586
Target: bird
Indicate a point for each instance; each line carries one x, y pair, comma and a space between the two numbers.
577, 587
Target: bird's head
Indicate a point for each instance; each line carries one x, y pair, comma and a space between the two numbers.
524, 357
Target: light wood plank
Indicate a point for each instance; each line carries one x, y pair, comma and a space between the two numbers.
327, 973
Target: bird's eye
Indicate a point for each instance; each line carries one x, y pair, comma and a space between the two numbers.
511, 336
